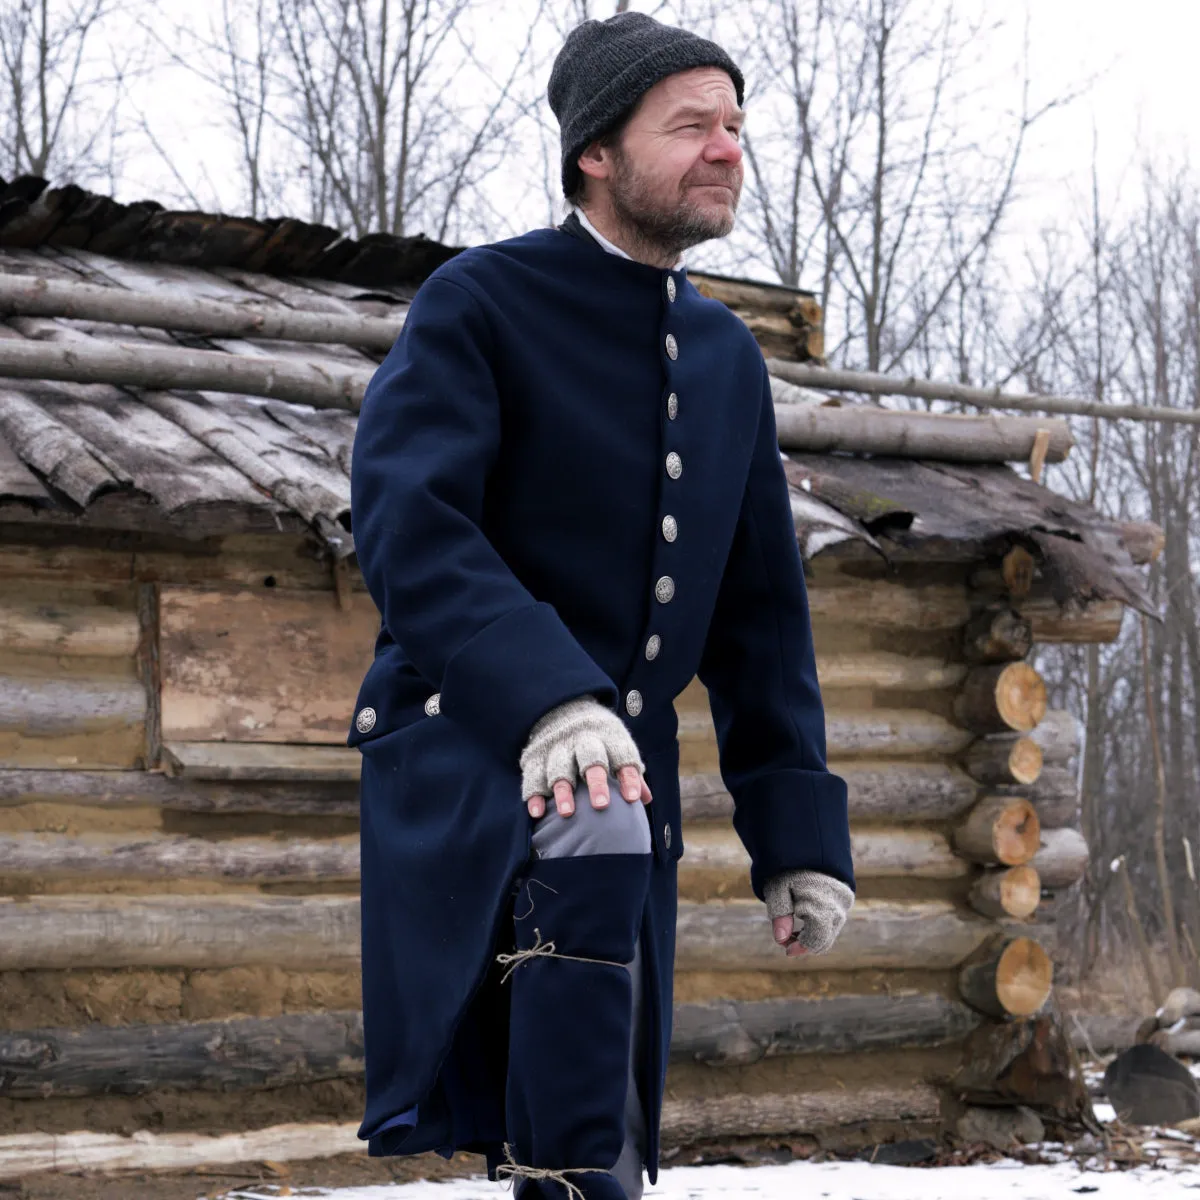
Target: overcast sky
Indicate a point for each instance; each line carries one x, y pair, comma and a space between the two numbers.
1137, 60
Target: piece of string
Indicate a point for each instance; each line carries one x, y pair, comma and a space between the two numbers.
529, 896
541, 949
511, 1169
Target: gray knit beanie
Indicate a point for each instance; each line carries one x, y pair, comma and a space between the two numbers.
605, 67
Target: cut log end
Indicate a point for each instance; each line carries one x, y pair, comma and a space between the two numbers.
1025, 760
1011, 977
1000, 829
999, 698
997, 635
1004, 760
1011, 893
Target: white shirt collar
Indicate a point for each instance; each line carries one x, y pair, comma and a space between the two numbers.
605, 244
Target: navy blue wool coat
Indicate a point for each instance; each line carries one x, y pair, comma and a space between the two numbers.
565, 482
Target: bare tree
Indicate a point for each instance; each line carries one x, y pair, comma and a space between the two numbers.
61, 114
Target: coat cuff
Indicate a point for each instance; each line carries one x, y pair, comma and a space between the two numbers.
515, 670
795, 820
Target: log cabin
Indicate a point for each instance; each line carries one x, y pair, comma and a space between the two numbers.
182, 632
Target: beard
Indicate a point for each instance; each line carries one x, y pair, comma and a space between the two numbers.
670, 226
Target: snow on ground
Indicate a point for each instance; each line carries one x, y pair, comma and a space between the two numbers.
1004, 1180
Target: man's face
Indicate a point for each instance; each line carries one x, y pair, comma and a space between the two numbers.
676, 173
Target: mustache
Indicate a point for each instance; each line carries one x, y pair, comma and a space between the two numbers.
730, 179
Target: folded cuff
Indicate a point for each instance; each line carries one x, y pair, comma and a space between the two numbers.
794, 821
513, 672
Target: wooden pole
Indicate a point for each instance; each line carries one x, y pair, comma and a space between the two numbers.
995, 699
1008, 977
999, 829
36, 296
160, 367
868, 429
1085, 624
1011, 892
871, 384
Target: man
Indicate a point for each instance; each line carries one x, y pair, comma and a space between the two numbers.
567, 501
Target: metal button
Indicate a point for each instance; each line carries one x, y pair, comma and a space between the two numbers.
671, 288
667, 835
672, 406
664, 589
670, 528
672, 347
633, 703
653, 646
365, 721
674, 465
433, 705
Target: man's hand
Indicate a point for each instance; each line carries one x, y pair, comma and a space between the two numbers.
807, 910
580, 739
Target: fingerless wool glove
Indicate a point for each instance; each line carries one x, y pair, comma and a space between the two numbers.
566, 741
818, 903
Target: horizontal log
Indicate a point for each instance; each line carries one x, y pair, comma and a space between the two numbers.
119, 789
802, 307
1060, 735
1093, 622
1004, 760
1000, 698
892, 791
877, 853
712, 1118
247, 1053
733, 935
45, 627
24, 1154
251, 1052
999, 829
869, 429
108, 856
887, 672
63, 932
55, 707
260, 761
869, 734
1062, 858
139, 365
36, 296
738, 1032
879, 605
1055, 796
873, 384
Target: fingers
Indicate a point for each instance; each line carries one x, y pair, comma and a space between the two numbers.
795, 950
536, 806
782, 927
597, 782
646, 797
631, 782
564, 797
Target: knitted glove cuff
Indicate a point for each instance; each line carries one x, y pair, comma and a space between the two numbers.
819, 905
568, 739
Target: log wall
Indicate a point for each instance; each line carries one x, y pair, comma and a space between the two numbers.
205, 910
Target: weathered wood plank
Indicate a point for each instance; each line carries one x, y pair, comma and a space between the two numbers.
262, 761
310, 657
889, 605
888, 672
46, 625
54, 707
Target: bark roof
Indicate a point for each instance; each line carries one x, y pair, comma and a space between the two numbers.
196, 464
